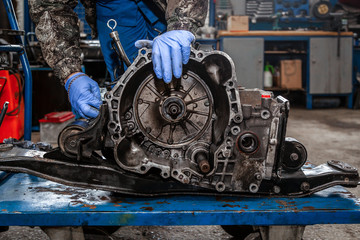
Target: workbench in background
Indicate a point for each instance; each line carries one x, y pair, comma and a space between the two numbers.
327, 70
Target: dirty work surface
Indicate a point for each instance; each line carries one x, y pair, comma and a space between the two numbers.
327, 134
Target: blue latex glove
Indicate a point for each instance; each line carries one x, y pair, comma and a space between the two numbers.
84, 95
169, 51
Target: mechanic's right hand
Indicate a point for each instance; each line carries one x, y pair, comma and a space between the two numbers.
84, 95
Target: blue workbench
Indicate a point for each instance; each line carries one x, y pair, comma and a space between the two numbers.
31, 201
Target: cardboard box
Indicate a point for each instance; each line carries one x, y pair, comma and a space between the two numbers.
291, 74
238, 23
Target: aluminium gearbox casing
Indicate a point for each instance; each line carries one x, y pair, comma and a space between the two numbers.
219, 137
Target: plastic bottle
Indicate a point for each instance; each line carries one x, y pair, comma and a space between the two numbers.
268, 75
276, 77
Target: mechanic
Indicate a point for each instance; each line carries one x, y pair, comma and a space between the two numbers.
58, 33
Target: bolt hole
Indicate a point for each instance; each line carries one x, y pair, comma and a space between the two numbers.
175, 173
265, 114
253, 188
116, 136
248, 143
237, 119
220, 186
143, 168
112, 125
143, 52
165, 174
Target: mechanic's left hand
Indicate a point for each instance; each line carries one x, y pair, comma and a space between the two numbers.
169, 51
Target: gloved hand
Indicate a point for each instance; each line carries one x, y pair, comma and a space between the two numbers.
169, 51
84, 95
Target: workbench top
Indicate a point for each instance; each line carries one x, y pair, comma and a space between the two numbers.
31, 201
282, 33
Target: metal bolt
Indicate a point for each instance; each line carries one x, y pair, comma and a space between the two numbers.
151, 148
305, 186
202, 159
206, 103
127, 116
185, 76
258, 176
73, 143
166, 153
148, 129
276, 189
131, 126
158, 152
294, 157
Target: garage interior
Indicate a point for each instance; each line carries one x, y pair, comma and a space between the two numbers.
307, 51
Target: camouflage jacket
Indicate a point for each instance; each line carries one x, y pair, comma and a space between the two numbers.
58, 32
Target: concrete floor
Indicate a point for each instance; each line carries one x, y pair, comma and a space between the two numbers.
327, 134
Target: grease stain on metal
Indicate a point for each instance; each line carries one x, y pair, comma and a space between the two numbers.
147, 208
104, 198
77, 202
287, 205
308, 208
232, 206
61, 192
89, 206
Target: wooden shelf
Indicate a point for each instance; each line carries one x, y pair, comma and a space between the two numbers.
283, 89
284, 52
284, 33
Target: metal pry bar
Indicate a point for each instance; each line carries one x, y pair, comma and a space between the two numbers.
115, 36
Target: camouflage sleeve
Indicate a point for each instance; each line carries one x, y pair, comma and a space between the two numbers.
186, 14
90, 15
58, 33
